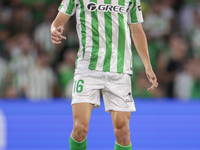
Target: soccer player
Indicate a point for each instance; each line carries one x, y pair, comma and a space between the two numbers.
104, 62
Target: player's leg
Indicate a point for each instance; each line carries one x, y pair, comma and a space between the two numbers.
81, 118
85, 97
121, 130
119, 102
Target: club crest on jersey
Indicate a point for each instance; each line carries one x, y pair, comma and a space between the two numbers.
106, 7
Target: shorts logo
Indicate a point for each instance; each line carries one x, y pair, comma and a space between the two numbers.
106, 7
129, 97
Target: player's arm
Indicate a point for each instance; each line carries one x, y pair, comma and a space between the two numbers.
140, 41
57, 27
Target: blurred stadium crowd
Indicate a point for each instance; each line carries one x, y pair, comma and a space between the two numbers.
32, 67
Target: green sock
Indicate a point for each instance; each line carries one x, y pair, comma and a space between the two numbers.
120, 147
74, 145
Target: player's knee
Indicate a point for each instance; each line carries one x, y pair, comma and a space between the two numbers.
122, 132
80, 130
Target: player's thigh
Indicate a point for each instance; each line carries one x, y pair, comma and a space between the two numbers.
120, 119
117, 93
82, 113
86, 88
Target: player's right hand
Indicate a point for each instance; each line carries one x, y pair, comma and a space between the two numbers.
56, 35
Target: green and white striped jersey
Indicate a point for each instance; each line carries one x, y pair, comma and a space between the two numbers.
104, 34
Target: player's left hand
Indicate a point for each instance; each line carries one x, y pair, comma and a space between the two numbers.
152, 78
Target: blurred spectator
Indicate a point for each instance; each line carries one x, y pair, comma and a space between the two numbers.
16, 43
187, 83
179, 50
42, 33
196, 76
195, 33
182, 79
41, 79
186, 16
20, 21
5, 14
3, 73
11, 93
66, 72
21, 63
157, 23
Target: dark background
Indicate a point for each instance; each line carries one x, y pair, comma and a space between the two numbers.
31, 67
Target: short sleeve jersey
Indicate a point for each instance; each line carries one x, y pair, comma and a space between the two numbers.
104, 34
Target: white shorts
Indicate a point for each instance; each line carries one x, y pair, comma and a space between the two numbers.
115, 87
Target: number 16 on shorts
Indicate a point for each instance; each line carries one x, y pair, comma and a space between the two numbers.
78, 86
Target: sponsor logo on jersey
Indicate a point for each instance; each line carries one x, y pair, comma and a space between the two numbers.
91, 6
106, 7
